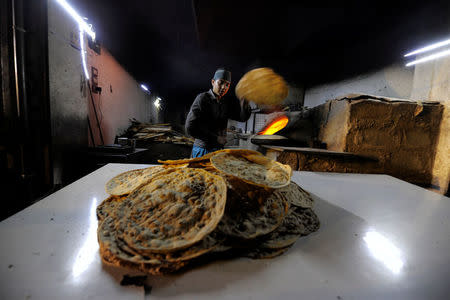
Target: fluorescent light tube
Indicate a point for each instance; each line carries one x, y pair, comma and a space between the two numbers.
77, 18
429, 57
83, 53
428, 48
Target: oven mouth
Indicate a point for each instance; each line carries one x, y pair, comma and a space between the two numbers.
274, 125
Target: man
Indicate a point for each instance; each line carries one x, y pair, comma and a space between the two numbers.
208, 117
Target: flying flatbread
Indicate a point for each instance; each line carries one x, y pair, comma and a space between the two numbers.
262, 86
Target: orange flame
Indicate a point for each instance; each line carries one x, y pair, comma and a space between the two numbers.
276, 125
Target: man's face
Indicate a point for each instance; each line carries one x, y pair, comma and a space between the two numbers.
220, 87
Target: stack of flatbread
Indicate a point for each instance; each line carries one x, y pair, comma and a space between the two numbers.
159, 219
262, 86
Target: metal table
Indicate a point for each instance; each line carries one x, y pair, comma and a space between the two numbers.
380, 238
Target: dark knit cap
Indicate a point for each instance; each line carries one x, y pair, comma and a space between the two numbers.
221, 73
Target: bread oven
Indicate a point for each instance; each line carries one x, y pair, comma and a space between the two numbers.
356, 133
280, 128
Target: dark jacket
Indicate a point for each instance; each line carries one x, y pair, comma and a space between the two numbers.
208, 118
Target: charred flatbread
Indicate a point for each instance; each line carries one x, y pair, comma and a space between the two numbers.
297, 196
234, 184
173, 211
209, 243
263, 253
249, 217
114, 252
113, 249
108, 207
298, 222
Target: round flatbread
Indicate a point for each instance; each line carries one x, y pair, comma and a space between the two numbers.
234, 184
249, 217
109, 242
263, 253
254, 169
114, 252
126, 182
309, 220
298, 222
108, 207
297, 196
262, 86
207, 156
222, 248
173, 211
209, 243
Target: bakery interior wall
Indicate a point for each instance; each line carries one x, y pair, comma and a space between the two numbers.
432, 82
394, 81
121, 97
425, 82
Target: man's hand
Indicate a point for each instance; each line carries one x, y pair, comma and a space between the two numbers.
222, 140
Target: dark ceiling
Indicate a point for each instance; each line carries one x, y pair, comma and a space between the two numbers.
175, 45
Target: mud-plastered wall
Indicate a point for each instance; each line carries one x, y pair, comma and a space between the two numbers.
401, 135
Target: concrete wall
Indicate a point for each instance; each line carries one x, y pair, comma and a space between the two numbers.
296, 95
70, 104
68, 101
395, 81
121, 98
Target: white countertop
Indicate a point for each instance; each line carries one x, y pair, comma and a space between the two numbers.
380, 238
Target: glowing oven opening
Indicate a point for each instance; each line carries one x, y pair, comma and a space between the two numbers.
275, 126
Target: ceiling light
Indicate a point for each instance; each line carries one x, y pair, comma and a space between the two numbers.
83, 53
157, 102
145, 88
428, 48
87, 28
429, 57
